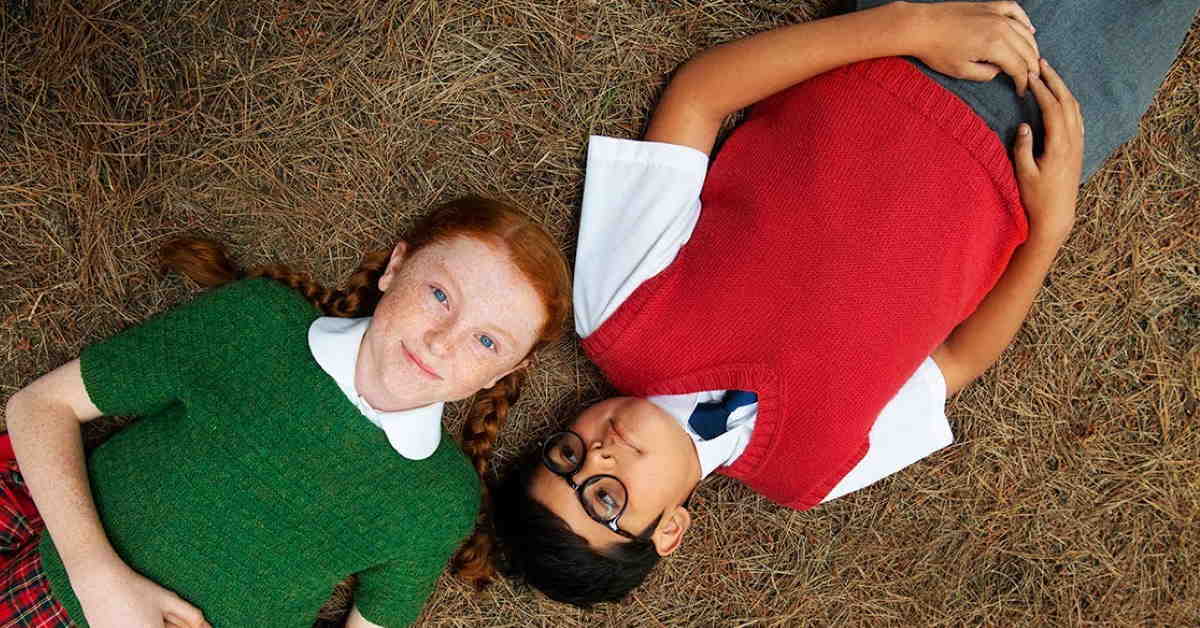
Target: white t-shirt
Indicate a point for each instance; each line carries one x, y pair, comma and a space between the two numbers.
641, 201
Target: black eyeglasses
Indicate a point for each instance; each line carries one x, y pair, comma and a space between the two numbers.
603, 497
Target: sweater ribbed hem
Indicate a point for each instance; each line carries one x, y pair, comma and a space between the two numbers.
949, 113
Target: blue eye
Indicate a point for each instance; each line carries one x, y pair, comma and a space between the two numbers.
439, 295
487, 342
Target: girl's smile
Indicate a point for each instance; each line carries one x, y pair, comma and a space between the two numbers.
421, 366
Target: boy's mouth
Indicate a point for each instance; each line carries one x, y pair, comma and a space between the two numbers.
616, 429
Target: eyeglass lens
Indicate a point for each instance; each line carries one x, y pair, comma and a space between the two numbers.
604, 497
564, 452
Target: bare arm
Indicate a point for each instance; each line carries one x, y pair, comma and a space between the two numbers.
967, 40
1048, 188
44, 423
977, 342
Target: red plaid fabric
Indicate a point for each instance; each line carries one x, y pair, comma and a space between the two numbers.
25, 599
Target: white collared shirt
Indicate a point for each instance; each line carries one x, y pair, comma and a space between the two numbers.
641, 202
334, 343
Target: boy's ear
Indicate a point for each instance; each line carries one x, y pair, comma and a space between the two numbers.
523, 364
669, 535
393, 265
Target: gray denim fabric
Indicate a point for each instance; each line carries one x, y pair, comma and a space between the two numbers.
1112, 54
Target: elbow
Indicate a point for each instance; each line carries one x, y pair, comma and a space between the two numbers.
691, 90
14, 414
956, 372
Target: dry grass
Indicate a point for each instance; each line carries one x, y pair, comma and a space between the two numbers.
310, 132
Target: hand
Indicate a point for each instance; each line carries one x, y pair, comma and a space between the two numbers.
1050, 183
977, 40
115, 596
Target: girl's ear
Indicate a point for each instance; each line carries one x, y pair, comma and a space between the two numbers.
393, 265
523, 364
669, 535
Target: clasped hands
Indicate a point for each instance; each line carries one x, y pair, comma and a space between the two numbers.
977, 41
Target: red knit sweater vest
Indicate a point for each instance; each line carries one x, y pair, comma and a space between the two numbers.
847, 227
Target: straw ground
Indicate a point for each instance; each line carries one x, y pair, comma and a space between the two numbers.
311, 132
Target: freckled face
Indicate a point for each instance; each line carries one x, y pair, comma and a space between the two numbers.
456, 316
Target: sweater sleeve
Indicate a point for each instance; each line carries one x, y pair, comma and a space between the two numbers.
393, 594
141, 370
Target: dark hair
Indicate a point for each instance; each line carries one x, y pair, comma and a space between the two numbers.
530, 248
541, 549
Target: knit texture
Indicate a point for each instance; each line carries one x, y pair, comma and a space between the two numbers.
251, 485
847, 227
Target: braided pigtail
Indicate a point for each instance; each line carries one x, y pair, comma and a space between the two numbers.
206, 262
473, 560
361, 294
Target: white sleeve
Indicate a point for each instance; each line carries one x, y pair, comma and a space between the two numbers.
641, 201
911, 426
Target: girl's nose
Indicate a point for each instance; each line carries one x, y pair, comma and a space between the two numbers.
438, 340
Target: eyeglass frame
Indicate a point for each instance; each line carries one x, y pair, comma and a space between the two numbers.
580, 487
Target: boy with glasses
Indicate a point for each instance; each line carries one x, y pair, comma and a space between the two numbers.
866, 248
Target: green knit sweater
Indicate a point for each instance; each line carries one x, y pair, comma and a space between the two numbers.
252, 485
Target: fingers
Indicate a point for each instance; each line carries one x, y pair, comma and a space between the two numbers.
1068, 113
1057, 86
1014, 11
1029, 62
1051, 108
1013, 48
1023, 152
1019, 41
1072, 111
1032, 52
1017, 60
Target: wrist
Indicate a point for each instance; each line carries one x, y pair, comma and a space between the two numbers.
97, 565
910, 24
1045, 241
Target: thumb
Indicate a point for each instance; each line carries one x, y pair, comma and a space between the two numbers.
177, 611
979, 71
1023, 152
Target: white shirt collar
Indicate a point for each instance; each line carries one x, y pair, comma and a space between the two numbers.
334, 343
715, 452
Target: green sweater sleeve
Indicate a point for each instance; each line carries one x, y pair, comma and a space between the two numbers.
141, 370
392, 595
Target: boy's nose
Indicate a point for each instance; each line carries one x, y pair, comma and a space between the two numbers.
602, 453
599, 460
